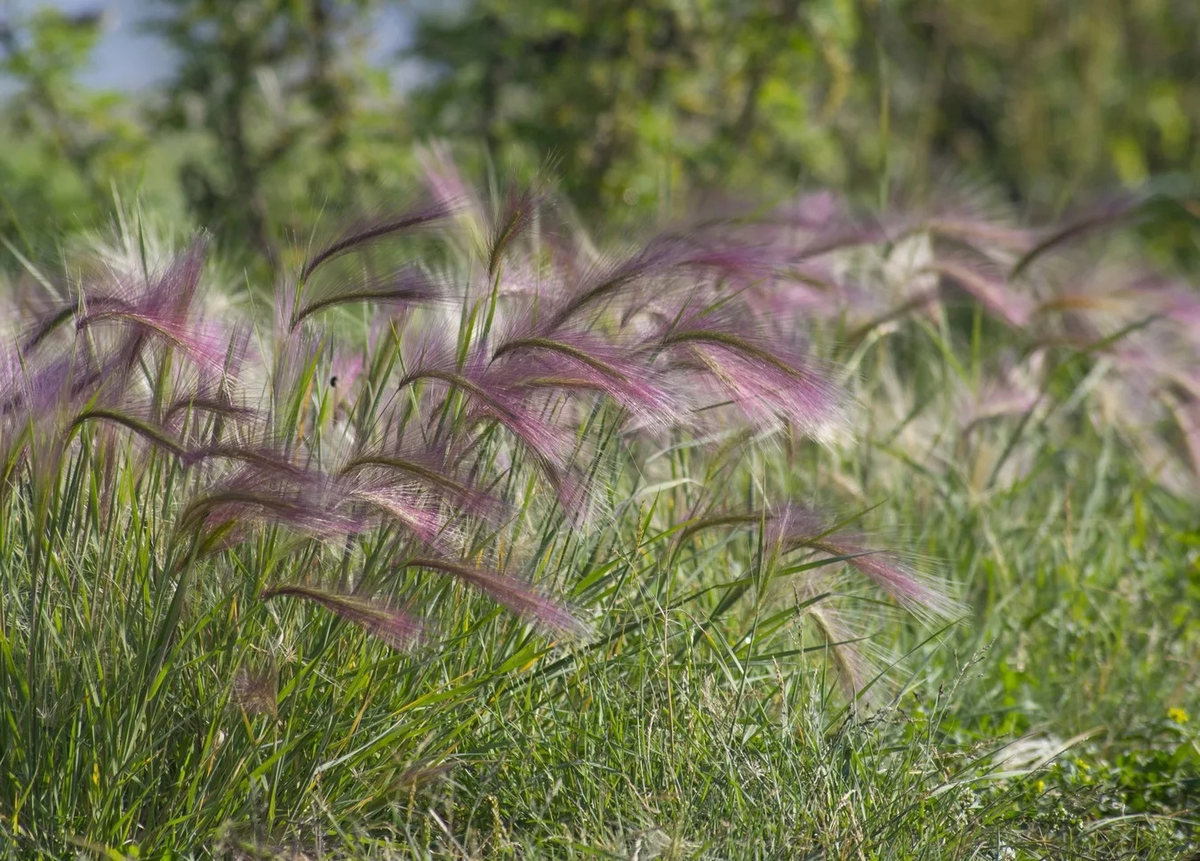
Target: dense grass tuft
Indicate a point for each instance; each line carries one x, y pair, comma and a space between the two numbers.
480, 542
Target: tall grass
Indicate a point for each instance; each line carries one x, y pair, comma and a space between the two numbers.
478, 541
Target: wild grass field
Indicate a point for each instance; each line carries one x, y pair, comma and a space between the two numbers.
785, 534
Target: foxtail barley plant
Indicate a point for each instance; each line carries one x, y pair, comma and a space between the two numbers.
478, 396
465, 398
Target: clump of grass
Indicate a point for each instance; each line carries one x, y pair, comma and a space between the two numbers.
964, 277
176, 486
478, 541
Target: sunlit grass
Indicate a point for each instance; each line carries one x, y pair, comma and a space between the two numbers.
593, 625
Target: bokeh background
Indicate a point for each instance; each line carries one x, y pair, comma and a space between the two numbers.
249, 118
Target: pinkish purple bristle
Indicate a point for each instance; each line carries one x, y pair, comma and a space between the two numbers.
795, 528
395, 627
515, 594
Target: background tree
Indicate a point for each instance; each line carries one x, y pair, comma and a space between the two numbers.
640, 98
276, 109
274, 93
64, 143
1048, 98
1045, 100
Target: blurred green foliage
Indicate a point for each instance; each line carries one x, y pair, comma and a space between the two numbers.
639, 98
1052, 97
277, 110
275, 96
64, 143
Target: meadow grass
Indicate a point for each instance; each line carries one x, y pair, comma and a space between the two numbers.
580, 629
